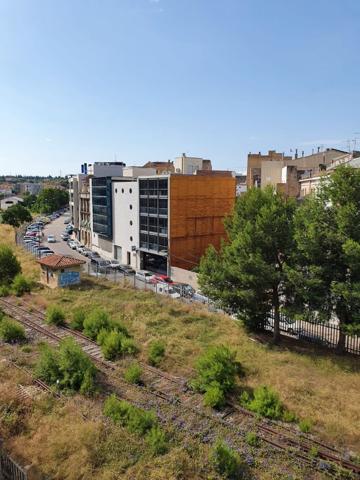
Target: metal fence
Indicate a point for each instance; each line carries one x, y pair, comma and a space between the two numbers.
324, 334
9, 469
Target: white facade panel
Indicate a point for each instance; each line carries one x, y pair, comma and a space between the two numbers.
126, 222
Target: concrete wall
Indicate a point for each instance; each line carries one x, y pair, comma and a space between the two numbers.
125, 221
271, 173
138, 171
184, 276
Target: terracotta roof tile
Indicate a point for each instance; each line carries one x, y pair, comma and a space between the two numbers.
60, 261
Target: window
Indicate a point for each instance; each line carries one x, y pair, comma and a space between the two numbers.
131, 222
122, 190
130, 190
131, 239
115, 190
130, 207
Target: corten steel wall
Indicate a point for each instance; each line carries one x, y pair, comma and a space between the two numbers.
198, 206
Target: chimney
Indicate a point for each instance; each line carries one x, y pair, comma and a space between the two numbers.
296, 154
302, 153
318, 150
184, 155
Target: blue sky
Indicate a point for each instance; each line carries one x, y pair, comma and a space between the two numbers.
85, 80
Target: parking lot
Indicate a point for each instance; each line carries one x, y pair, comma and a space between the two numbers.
56, 227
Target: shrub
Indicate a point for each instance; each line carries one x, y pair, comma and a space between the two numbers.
9, 265
94, 322
216, 373
4, 291
305, 425
313, 452
128, 346
21, 285
119, 327
289, 416
135, 419
2, 314
156, 353
112, 345
156, 440
252, 439
100, 339
133, 373
77, 320
226, 461
214, 396
11, 331
68, 367
265, 402
55, 315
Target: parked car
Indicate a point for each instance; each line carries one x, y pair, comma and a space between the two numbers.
66, 221
81, 249
94, 256
164, 288
159, 278
184, 289
200, 297
114, 264
46, 253
102, 266
51, 239
72, 244
144, 276
88, 252
127, 270
65, 236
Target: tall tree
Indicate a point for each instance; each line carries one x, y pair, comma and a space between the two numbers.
16, 215
249, 275
50, 200
327, 235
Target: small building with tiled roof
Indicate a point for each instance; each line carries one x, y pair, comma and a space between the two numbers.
60, 270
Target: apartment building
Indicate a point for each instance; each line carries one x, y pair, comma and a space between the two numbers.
284, 172
80, 196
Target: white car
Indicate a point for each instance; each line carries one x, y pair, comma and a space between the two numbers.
144, 276
73, 245
115, 264
51, 239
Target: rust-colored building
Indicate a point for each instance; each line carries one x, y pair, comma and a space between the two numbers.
180, 216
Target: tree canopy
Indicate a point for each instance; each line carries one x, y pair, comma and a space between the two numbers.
51, 199
248, 276
326, 275
16, 215
9, 265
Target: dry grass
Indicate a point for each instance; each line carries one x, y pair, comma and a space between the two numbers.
321, 387
28, 264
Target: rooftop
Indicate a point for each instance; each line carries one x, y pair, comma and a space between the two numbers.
60, 261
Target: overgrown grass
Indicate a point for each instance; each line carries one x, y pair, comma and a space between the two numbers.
319, 386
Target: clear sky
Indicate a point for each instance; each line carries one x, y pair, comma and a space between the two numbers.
85, 80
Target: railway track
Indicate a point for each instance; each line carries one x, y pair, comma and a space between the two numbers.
171, 390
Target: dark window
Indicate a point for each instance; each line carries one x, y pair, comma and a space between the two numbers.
115, 190
131, 239
130, 207
130, 190
122, 190
131, 222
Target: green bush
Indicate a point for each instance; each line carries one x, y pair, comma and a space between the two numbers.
133, 373
129, 346
111, 345
214, 396
135, 419
156, 440
11, 331
313, 452
156, 353
216, 373
21, 285
305, 425
289, 416
119, 327
265, 402
226, 461
68, 367
94, 322
55, 315
252, 439
9, 265
4, 291
77, 320
101, 336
